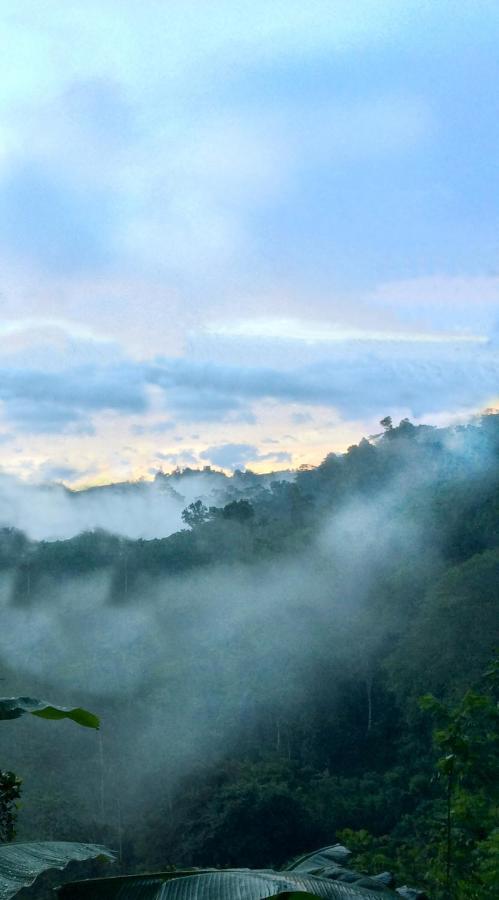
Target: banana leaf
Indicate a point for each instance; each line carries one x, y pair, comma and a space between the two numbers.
21, 864
320, 859
328, 862
13, 707
228, 884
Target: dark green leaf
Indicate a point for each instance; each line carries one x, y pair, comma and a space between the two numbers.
13, 707
217, 885
319, 859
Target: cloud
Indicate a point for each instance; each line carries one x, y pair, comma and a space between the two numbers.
235, 456
354, 380
182, 458
199, 393
153, 428
301, 418
322, 332
207, 125
100, 174
44, 417
41, 325
52, 512
61, 401
53, 223
85, 387
51, 471
277, 456
257, 170
230, 456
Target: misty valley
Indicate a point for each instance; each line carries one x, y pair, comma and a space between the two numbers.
259, 667
249, 450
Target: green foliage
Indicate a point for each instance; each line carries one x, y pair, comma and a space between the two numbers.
195, 514
286, 709
10, 792
449, 843
10, 784
22, 863
456, 620
238, 511
467, 737
14, 707
210, 884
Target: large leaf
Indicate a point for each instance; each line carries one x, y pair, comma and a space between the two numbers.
256, 886
337, 854
21, 864
229, 884
328, 862
13, 707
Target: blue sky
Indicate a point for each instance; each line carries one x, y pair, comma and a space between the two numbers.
241, 233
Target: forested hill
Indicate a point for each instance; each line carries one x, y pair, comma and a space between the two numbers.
431, 495
259, 671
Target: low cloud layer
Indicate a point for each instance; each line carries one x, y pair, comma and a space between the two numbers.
348, 379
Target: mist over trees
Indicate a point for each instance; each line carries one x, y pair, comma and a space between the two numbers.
258, 672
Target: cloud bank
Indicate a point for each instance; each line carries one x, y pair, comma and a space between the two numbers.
348, 380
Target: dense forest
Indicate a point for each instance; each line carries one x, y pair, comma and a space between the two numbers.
309, 658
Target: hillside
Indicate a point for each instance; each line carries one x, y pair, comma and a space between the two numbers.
258, 672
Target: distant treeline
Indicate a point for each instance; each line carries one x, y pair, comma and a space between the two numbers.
448, 480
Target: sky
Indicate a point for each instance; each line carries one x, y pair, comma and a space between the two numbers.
240, 233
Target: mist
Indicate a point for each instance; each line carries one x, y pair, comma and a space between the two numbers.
186, 667
163, 657
144, 509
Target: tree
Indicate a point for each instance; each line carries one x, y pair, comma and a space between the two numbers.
467, 737
238, 511
10, 784
196, 514
20, 864
10, 793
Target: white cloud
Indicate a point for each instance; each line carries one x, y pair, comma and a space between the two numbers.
236, 456
324, 332
38, 325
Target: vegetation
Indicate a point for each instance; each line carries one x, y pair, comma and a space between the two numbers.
20, 864
10, 793
274, 703
310, 878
